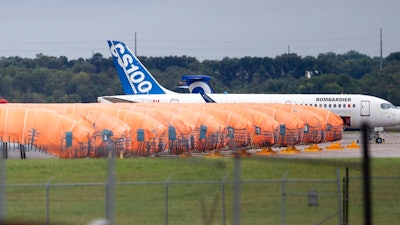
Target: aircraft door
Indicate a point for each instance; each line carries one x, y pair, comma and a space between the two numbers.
365, 108
346, 121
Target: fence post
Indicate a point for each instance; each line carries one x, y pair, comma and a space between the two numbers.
366, 176
236, 186
339, 194
283, 198
223, 198
48, 201
166, 199
3, 185
110, 183
346, 198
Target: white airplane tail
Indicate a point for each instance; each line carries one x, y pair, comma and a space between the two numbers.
135, 78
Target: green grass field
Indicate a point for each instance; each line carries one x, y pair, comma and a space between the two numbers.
191, 203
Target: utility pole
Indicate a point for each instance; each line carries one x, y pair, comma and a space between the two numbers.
3, 185
135, 46
381, 60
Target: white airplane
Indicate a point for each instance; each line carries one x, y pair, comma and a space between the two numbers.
355, 109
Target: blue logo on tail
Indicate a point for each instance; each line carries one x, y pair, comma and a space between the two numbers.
135, 78
198, 84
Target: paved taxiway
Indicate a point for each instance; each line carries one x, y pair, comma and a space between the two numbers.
390, 148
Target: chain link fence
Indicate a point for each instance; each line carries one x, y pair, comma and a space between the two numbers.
275, 201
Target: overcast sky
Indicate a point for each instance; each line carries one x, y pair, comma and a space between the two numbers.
207, 29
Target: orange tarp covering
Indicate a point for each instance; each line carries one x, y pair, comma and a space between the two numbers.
331, 123
50, 126
315, 125
241, 119
213, 127
190, 120
164, 116
179, 128
121, 131
145, 129
154, 131
236, 125
98, 121
291, 128
263, 128
334, 124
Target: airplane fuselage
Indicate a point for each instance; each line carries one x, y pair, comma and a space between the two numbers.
140, 86
354, 109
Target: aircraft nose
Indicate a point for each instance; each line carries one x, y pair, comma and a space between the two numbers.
396, 117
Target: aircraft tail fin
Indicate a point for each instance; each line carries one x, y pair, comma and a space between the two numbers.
135, 78
198, 84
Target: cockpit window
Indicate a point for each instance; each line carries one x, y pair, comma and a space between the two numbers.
387, 106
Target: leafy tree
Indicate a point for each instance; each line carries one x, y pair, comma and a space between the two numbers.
327, 62
51, 62
57, 79
250, 67
288, 65
227, 72
394, 56
356, 65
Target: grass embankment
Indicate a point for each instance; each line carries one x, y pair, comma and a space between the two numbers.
261, 203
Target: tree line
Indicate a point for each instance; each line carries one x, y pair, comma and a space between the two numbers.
49, 79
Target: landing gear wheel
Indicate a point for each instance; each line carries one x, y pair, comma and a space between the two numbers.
375, 135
